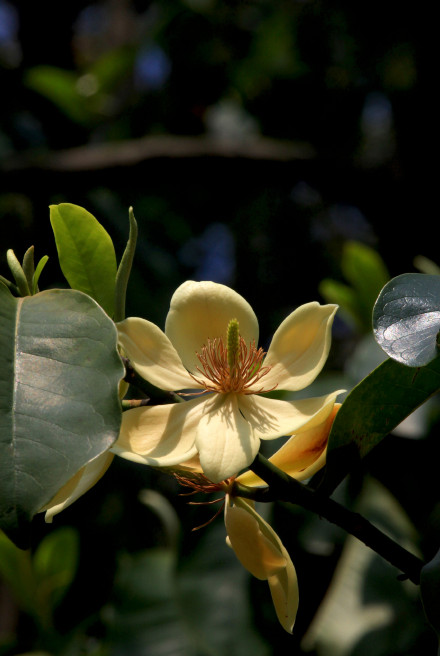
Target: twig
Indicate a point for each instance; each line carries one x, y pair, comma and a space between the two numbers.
284, 488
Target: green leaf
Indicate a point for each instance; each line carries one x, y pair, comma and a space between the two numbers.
18, 273
430, 591
60, 87
364, 269
55, 563
406, 318
40, 266
59, 404
373, 409
86, 253
337, 292
124, 269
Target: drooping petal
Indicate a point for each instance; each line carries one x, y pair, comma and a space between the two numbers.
152, 355
202, 310
78, 485
271, 418
225, 440
160, 435
299, 347
302, 455
261, 552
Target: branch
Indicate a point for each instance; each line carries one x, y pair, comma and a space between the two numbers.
133, 151
284, 488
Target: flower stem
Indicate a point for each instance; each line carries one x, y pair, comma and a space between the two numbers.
284, 488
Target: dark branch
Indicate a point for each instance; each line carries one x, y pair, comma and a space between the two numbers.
284, 488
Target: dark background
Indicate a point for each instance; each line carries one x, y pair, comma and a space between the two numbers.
253, 139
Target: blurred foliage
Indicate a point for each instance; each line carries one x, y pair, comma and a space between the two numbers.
366, 272
347, 84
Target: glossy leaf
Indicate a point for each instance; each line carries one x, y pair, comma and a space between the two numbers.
59, 404
430, 591
373, 409
406, 318
86, 253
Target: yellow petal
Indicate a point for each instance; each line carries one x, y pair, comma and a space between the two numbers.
272, 418
300, 347
302, 455
261, 552
152, 355
202, 310
256, 552
160, 435
225, 440
78, 485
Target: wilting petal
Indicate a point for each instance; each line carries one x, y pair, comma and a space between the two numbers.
202, 310
302, 455
299, 347
78, 485
152, 355
261, 552
225, 440
273, 418
160, 435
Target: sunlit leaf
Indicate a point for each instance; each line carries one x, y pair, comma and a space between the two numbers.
86, 253
59, 404
406, 318
373, 409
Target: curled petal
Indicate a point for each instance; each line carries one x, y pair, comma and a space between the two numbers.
202, 310
225, 441
160, 435
152, 355
300, 347
78, 485
302, 455
271, 418
261, 552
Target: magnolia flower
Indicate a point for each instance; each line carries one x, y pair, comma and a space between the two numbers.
256, 545
210, 346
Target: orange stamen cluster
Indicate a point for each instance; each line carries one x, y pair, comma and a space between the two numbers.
220, 377
199, 483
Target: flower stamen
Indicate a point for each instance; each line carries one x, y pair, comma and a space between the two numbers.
199, 483
236, 367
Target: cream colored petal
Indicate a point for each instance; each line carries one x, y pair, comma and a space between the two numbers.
261, 552
225, 441
272, 418
160, 435
202, 310
299, 347
302, 455
152, 355
256, 552
285, 594
78, 485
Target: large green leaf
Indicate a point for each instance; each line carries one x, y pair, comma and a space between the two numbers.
86, 253
374, 408
59, 404
406, 318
